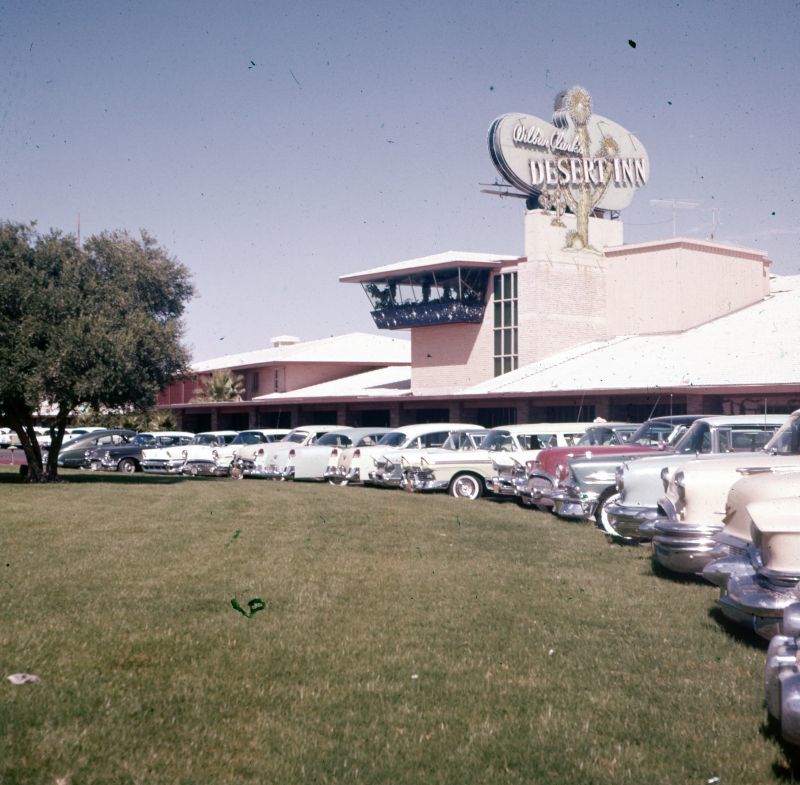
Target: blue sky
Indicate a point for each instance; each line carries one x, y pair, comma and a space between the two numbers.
273, 147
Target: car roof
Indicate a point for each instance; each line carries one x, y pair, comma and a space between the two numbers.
217, 433
746, 419
545, 427
415, 429
165, 433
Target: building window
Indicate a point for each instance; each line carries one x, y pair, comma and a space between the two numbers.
506, 352
255, 383
277, 385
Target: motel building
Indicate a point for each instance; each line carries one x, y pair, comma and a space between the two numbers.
581, 326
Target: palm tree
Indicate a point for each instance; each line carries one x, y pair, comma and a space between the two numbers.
221, 386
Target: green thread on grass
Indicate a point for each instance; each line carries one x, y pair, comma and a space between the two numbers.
255, 605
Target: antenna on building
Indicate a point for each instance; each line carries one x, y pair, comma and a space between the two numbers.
714, 221
675, 204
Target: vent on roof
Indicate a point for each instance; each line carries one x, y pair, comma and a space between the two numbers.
284, 340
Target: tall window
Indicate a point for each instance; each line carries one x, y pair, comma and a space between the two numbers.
505, 323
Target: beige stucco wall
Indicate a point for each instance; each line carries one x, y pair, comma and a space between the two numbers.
678, 284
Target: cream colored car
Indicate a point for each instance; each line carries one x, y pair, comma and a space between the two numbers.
693, 507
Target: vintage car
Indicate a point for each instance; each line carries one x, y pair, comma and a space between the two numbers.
358, 464
640, 483
277, 461
200, 452
534, 437
756, 588
127, 457
782, 676
692, 509
409, 467
248, 444
217, 460
73, 453
504, 449
736, 536
541, 476
310, 462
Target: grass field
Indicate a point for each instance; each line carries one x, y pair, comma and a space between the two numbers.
404, 639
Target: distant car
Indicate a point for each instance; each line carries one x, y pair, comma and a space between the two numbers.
172, 460
73, 453
470, 474
277, 460
360, 464
394, 469
127, 458
311, 461
511, 475
641, 482
247, 445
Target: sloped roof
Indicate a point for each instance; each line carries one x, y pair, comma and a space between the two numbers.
444, 260
359, 348
753, 346
391, 381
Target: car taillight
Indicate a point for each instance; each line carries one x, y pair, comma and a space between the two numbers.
260, 451
334, 452
291, 453
356, 453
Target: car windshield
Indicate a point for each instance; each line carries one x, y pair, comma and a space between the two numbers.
787, 440
464, 440
498, 441
600, 436
394, 439
144, 439
296, 437
249, 437
696, 439
212, 439
334, 440
653, 434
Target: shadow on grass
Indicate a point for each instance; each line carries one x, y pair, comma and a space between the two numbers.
737, 632
788, 769
9, 478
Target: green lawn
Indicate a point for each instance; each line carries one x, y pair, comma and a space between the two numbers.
405, 639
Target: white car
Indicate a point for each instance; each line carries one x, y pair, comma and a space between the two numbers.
277, 460
249, 444
311, 461
200, 451
360, 464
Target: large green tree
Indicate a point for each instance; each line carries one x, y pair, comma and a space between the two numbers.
98, 324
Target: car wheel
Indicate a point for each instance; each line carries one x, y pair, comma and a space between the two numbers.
601, 516
236, 473
337, 481
126, 466
465, 486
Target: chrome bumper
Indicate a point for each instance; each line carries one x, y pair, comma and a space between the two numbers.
757, 603
162, 468
782, 678
425, 481
686, 547
628, 521
503, 486
271, 472
339, 473
567, 505
205, 469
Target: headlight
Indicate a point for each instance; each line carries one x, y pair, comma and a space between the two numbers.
214, 454
665, 477
680, 485
184, 454
619, 478
389, 466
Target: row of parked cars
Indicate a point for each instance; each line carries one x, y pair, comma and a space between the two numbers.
717, 496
